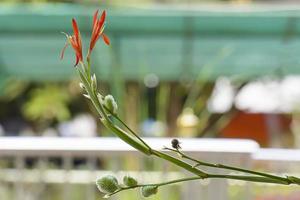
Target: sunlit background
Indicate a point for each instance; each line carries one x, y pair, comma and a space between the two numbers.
185, 69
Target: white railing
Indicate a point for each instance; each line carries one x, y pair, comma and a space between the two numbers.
18, 172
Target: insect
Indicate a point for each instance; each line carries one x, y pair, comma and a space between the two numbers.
175, 144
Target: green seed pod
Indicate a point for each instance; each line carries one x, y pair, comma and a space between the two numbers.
129, 181
110, 103
149, 190
107, 184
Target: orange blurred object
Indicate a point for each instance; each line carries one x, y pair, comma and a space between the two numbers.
257, 126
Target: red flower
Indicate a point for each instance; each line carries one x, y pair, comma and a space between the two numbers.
98, 28
75, 41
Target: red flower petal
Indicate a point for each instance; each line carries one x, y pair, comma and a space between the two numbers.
106, 39
77, 36
74, 43
76, 40
102, 18
75, 29
99, 26
95, 20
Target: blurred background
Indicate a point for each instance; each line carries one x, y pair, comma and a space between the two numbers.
222, 69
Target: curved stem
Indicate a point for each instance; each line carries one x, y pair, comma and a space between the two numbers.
138, 143
161, 154
221, 166
282, 180
180, 163
106, 121
250, 178
127, 138
127, 127
156, 184
256, 179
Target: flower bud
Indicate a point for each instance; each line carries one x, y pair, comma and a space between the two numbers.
107, 184
149, 190
129, 181
110, 103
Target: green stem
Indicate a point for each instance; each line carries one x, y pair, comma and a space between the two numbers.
106, 121
127, 127
249, 178
127, 138
256, 179
88, 70
180, 163
161, 154
221, 166
138, 143
156, 184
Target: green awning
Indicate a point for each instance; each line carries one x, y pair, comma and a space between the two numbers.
170, 43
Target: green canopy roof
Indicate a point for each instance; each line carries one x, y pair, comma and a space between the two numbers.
170, 43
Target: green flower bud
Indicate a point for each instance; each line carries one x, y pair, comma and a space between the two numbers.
110, 103
149, 190
129, 181
107, 184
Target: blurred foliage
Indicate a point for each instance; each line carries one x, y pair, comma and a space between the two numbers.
13, 89
198, 93
49, 102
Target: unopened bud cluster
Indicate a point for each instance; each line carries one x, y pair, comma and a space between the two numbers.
109, 185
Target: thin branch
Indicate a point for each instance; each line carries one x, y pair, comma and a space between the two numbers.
221, 166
